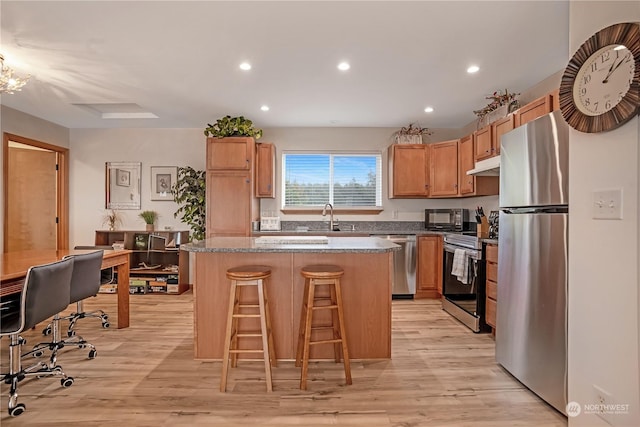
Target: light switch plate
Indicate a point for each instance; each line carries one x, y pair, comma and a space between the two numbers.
607, 204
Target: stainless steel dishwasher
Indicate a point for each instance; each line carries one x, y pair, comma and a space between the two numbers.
404, 265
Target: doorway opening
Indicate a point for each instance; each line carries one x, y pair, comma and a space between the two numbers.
36, 201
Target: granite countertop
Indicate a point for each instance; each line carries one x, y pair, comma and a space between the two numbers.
334, 245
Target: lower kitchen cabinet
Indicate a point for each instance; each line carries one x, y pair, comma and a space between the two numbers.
429, 267
491, 307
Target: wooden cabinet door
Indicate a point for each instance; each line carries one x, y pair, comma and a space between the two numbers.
265, 168
533, 110
491, 306
500, 127
429, 267
233, 153
465, 154
484, 143
444, 168
408, 170
230, 207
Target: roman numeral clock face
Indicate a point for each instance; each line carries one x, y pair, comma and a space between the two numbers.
600, 88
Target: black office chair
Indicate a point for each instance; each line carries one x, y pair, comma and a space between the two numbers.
106, 276
85, 283
46, 292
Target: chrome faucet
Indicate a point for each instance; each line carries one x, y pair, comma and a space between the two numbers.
324, 213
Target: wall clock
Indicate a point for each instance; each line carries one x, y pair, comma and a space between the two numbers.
600, 87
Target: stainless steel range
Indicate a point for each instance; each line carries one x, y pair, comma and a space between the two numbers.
463, 284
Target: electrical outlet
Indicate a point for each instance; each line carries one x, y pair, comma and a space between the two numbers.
607, 204
602, 399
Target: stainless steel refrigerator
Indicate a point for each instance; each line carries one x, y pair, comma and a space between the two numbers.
531, 328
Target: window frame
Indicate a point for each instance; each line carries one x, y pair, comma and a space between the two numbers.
313, 209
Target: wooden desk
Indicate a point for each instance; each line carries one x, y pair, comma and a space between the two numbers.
14, 266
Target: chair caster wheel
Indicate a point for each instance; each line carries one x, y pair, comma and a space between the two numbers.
93, 353
46, 331
66, 382
105, 324
17, 410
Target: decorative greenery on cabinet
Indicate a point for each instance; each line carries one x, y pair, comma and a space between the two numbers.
232, 126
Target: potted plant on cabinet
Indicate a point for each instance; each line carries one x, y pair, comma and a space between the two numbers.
411, 134
232, 126
190, 193
149, 218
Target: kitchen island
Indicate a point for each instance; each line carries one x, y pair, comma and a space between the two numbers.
366, 289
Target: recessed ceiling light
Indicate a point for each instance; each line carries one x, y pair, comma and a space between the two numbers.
265, 108
428, 110
245, 66
343, 66
473, 69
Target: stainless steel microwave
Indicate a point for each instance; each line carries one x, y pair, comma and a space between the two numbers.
446, 219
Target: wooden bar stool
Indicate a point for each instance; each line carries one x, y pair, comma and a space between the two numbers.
322, 275
248, 275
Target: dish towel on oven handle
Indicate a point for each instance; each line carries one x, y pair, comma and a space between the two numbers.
460, 265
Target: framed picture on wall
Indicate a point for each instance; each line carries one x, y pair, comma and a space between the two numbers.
162, 179
123, 178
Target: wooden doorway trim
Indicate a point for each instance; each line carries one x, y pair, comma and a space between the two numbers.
62, 196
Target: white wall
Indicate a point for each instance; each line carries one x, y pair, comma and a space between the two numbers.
603, 255
91, 148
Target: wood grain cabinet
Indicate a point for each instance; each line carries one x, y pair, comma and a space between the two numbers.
429, 267
230, 153
444, 169
231, 204
265, 170
408, 170
491, 304
471, 185
499, 128
533, 110
484, 143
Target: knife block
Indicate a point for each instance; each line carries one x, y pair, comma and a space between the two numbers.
483, 228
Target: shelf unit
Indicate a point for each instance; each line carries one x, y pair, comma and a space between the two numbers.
152, 248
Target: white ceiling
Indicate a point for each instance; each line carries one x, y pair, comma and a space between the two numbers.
179, 60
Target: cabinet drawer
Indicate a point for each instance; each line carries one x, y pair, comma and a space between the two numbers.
492, 271
492, 290
492, 253
490, 315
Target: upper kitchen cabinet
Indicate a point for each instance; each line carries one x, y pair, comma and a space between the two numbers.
471, 185
444, 169
465, 151
231, 153
533, 110
484, 143
408, 170
265, 170
500, 127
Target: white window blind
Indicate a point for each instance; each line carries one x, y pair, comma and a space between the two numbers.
344, 180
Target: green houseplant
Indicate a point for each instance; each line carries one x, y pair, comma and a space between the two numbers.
232, 126
149, 218
190, 193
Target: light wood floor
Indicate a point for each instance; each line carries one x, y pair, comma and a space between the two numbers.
441, 374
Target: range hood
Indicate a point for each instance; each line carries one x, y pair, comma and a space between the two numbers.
487, 167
